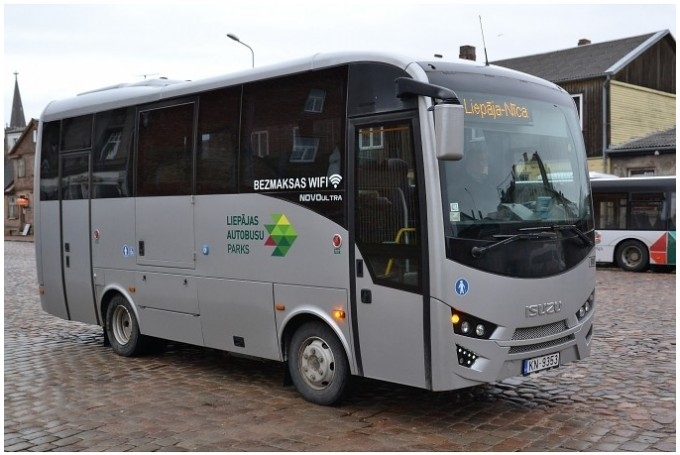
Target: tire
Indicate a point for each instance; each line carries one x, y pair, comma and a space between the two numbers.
632, 256
318, 364
122, 328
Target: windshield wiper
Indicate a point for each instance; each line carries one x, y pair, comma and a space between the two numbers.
477, 251
562, 227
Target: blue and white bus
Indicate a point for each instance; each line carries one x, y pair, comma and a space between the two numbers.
422, 223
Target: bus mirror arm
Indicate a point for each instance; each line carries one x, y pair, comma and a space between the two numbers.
448, 116
407, 87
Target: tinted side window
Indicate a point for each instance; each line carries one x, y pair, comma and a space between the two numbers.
646, 211
112, 143
611, 210
76, 133
75, 178
49, 162
293, 139
216, 155
165, 163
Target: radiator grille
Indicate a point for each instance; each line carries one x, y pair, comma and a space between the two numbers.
529, 333
539, 346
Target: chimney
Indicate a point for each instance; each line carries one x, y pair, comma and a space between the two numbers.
468, 53
583, 41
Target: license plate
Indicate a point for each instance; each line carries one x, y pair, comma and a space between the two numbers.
541, 363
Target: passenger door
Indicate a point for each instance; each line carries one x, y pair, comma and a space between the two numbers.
390, 317
75, 234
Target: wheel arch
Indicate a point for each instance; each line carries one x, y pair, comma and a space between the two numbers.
303, 315
107, 296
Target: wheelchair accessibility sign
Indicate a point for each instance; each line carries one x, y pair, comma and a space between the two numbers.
462, 286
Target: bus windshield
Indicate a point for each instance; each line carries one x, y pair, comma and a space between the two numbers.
523, 168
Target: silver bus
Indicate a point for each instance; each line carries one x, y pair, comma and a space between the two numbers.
421, 223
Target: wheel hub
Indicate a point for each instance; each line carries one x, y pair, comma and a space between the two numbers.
317, 363
122, 325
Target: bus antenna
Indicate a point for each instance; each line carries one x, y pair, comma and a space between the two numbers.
486, 57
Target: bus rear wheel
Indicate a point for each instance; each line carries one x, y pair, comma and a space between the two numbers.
632, 256
318, 364
122, 328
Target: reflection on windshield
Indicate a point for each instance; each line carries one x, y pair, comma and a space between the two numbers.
516, 175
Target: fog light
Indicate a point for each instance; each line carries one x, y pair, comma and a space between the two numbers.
465, 327
479, 330
466, 358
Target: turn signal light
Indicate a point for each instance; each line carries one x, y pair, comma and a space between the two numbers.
471, 326
339, 314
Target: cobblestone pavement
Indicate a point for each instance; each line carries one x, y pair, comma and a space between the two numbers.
65, 391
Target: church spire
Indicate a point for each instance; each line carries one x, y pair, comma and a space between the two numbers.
18, 120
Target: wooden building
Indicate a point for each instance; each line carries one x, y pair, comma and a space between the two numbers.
624, 90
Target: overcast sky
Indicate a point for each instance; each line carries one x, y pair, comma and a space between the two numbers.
61, 50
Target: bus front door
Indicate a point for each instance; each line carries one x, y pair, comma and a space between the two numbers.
76, 263
390, 308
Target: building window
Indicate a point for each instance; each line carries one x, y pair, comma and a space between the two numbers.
12, 207
371, 139
260, 141
315, 101
304, 148
21, 168
578, 100
644, 172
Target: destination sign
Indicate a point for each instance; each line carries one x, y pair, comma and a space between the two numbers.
496, 110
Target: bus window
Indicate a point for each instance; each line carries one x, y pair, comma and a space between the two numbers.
645, 211
77, 133
386, 206
75, 178
671, 213
49, 162
164, 166
610, 211
292, 132
111, 166
216, 158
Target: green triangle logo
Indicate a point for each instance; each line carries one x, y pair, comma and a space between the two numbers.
282, 234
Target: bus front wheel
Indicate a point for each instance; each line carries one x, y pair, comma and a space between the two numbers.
122, 328
632, 256
318, 364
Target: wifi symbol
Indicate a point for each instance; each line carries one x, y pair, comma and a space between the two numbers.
335, 179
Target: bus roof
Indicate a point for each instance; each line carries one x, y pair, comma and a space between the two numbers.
151, 90
648, 183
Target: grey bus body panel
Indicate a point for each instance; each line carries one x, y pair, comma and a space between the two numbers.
76, 261
543, 333
391, 333
230, 293
50, 262
165, 231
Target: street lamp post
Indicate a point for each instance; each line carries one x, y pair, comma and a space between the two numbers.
235, 38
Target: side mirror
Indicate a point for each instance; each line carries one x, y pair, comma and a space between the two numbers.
448, 131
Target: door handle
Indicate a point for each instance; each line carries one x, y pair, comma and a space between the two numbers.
366, 296
360, 268
141, 248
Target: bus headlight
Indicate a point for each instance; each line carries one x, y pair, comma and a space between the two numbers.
470, 326
587, 307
